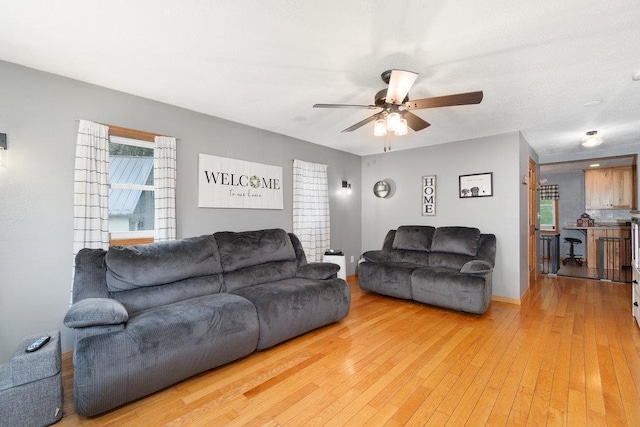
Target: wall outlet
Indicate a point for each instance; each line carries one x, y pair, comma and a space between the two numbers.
352, 259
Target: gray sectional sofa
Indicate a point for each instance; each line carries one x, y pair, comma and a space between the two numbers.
450, 267
148, 316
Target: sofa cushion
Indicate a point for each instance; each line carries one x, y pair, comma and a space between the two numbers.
387, 278
448, 260
456, 240
444, 287
140, 299
161, 347
413, 257
262, 273
377, 256
420, 258
413, 237
292, 307
131, 267
245, 249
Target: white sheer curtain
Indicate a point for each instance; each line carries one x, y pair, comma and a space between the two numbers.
164, 181
91, 188
311, 208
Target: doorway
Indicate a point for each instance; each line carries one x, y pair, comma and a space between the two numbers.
601, 250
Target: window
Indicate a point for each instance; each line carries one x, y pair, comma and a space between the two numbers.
131, 191
549, 215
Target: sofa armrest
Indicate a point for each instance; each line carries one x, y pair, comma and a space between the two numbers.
95, 312
377, 256
318, 270
476, 266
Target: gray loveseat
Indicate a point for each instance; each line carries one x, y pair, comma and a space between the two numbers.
450, 267
148, 316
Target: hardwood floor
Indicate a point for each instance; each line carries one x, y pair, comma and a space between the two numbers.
569, 355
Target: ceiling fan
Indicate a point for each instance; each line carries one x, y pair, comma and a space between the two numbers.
395, 115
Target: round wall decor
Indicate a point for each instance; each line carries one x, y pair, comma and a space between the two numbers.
381, 189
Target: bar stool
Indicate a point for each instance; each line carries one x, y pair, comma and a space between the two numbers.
572, 256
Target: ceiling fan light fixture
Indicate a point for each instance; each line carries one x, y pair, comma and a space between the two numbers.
592, 139
380, 127
402, 128
393, 121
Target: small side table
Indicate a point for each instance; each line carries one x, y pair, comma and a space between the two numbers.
340, 260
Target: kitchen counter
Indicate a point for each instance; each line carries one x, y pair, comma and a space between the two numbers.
611, 225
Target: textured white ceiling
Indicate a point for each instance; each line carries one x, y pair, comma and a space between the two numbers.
265, 63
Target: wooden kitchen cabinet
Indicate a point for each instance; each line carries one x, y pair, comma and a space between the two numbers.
609, 188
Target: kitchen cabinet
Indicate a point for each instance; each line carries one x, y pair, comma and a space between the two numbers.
609, 188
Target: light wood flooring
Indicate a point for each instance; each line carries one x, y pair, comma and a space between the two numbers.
569, 355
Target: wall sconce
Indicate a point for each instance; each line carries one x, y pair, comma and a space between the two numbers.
3, 150
346, 187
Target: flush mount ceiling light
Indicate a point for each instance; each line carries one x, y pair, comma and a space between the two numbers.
636, 77
592, 139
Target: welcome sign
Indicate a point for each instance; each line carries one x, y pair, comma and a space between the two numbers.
231, 183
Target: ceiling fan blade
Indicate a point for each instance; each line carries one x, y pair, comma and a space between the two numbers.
415, 122
445, 101
361, 123
399, 84
370, 107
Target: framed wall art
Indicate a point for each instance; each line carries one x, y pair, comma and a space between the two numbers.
476, 185
232, 183
429, 195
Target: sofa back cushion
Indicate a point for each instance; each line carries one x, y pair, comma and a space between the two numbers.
141, 299
414, 237
419, 258
456, 240
249, 248
448, 260
133, 267
264, 273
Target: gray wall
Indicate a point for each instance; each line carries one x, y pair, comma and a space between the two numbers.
500, 214
38, 112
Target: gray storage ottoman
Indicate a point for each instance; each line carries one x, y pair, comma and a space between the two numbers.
31, 384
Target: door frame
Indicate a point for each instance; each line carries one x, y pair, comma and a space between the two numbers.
532, 223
